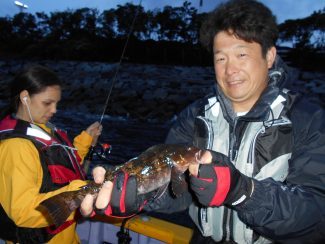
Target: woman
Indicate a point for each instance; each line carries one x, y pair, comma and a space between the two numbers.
37, 160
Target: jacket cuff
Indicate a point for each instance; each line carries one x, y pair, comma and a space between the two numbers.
256, 198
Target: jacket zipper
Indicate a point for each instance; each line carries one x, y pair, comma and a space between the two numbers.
233, 153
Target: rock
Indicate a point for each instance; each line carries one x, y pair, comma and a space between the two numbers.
139, 91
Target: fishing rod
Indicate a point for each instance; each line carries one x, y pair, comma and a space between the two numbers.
122, 56
102, 150
120, 61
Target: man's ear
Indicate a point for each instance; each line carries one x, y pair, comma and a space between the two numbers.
270, 56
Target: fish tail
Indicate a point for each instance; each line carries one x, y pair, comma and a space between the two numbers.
59, 207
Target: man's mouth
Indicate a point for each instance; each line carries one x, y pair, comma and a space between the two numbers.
235, 82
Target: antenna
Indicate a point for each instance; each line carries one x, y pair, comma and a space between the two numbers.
21, 6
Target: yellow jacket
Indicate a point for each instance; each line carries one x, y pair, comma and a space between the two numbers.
20, 180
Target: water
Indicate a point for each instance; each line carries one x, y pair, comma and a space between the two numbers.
128, 137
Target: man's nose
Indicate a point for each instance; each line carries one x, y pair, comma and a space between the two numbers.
231, 67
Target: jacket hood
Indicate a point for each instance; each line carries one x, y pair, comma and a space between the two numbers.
280, 74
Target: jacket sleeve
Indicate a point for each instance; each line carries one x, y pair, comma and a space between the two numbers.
294, 209
82, 142
169, 204
20, 180
182, 130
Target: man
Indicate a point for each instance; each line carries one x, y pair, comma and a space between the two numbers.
263, 179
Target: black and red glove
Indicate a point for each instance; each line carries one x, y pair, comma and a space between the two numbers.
125, 201
220, 183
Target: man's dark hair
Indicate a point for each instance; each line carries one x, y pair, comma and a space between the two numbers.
248, 20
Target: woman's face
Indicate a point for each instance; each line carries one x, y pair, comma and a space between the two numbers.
43, 105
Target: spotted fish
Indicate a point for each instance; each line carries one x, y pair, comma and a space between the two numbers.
154, 169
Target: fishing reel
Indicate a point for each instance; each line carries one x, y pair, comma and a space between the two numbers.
101, 150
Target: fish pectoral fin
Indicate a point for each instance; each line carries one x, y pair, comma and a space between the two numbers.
59, 207
178, 182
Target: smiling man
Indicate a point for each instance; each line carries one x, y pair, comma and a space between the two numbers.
265, 181
262, 178
241, 69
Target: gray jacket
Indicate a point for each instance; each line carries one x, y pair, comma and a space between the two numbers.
281, 143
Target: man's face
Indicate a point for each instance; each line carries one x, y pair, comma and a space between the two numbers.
241, 70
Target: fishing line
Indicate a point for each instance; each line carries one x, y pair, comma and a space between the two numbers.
120, 61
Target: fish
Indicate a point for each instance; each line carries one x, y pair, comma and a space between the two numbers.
154, 169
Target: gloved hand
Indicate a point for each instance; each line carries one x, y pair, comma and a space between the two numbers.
118, 198
220, 183
124, 200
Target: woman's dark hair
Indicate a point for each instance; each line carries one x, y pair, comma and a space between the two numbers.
248, 20
34, 79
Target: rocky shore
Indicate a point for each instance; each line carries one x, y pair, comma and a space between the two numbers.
140, 91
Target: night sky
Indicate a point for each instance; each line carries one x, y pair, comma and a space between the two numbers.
283, 9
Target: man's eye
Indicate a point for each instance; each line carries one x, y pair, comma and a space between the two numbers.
220, 59
242, 55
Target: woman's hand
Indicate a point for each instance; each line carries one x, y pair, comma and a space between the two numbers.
94, 130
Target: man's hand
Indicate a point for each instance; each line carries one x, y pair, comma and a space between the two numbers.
118, 198
205, 157
104, 195
219, 182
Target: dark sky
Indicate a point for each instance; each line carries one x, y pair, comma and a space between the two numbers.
283, 9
